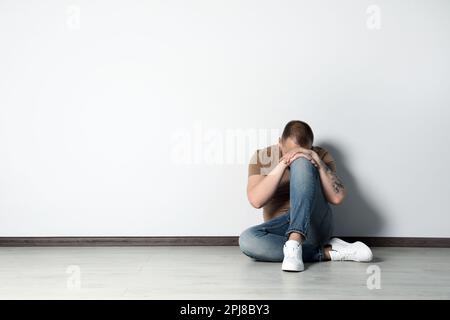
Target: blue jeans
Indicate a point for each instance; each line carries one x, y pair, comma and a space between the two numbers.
309, 214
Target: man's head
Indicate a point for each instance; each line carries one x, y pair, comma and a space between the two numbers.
296, 133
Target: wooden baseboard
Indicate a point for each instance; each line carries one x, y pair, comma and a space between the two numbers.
402, 241
117, 241
199, 241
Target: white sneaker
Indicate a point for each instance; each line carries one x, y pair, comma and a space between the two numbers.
293, 260
344, 251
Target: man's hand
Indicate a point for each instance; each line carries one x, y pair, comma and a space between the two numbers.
300, 152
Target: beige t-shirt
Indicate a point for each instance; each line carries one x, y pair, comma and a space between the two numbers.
263, 161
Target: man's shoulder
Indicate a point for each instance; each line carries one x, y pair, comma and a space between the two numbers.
264, 159
326, 157
320, 151
268, 151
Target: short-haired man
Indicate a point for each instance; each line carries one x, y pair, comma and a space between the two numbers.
294, 182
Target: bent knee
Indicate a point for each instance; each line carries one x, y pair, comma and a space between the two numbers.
303, 168
257, 247
247, 241
302, 163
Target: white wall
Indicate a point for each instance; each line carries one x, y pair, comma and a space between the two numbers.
91, 110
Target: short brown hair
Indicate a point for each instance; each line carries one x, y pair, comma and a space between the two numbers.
300, 131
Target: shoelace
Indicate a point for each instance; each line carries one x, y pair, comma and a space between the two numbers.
291, 252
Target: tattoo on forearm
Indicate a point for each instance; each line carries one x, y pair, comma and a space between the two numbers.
335, 181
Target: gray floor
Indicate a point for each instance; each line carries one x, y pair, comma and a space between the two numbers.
213, 273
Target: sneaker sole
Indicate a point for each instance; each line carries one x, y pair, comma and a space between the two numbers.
292, 268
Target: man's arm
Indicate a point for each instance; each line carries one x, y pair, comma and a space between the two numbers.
332, 186
261, 188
